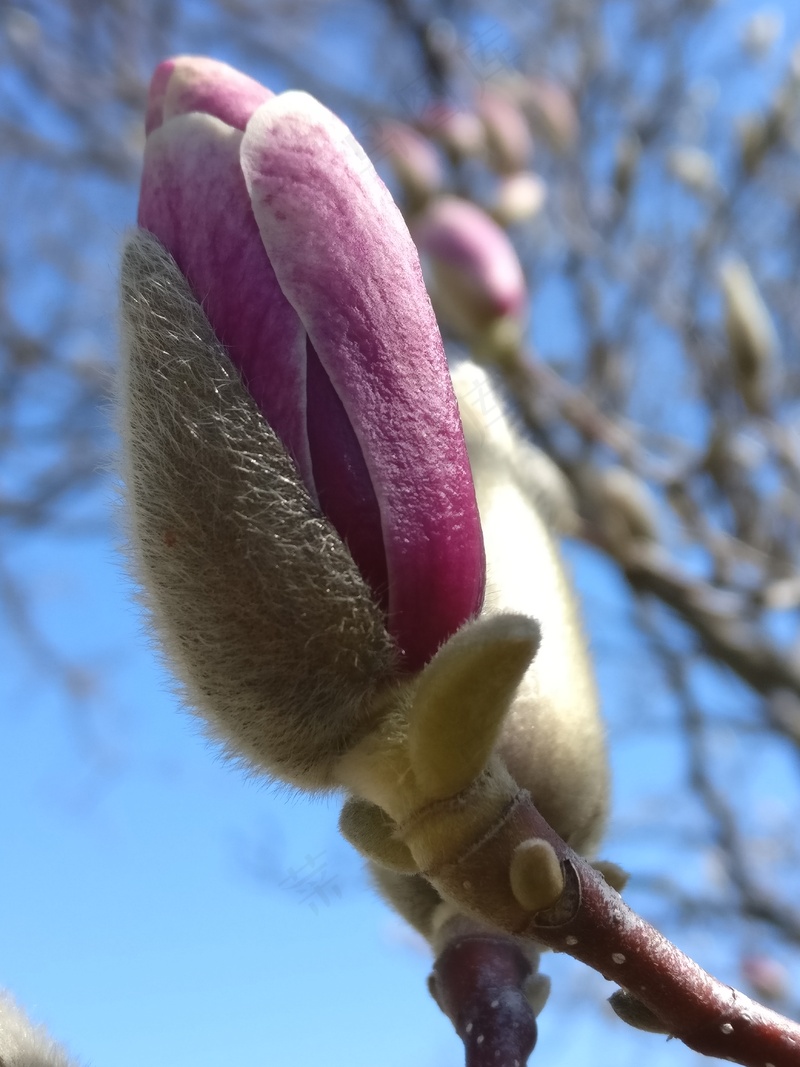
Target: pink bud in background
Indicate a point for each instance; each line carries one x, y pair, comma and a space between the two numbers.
476, 274
550, 110
310, 280
508, 138
767, 976
413, 158
460, 133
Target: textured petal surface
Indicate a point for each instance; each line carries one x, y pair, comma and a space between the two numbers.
346, 262
196, 83
460, 236
344, 486
194, 199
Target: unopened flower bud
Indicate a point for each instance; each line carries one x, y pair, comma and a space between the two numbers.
301, 499
520, 197
414, 160
695, 169
476, 275
508, 139
752, 341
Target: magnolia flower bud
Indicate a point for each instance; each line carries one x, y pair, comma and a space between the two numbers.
520, 197
304, 515
695, 169
752, 341
761, 31
309, 395
476, 275
550, 110
414, 160
767, 976
626, 508
508, 138
460, 133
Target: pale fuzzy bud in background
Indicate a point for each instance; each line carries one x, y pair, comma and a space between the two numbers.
508, 139
460, 133
24, 31
413, 159
24, 1045
624, 506
489, 428
519, 198
752, 341
768, 978
761, 31
550, 110
477, 280
695, 169
523, 497
626, 165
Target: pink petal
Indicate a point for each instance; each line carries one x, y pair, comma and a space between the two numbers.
194, 200
154, 116
345, 260
196, 83
344, 486
508, 137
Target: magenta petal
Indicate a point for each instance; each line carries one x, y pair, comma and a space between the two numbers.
194, 200
346, 262
195, 83
343, 482
154, 116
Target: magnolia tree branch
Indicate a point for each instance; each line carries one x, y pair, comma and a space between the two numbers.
661, 989
741, 647
739, 866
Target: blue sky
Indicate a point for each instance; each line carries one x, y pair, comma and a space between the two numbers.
156, 905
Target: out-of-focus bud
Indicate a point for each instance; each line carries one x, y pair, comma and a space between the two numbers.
508, 139
625, 508
761, 31
550, 110
414, 160
768, 978
758, 134
460, 133
695, 169
626, 165
23, 30
520, 197
476, 275
752, 341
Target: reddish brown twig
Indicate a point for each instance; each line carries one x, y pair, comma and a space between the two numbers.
665, 989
